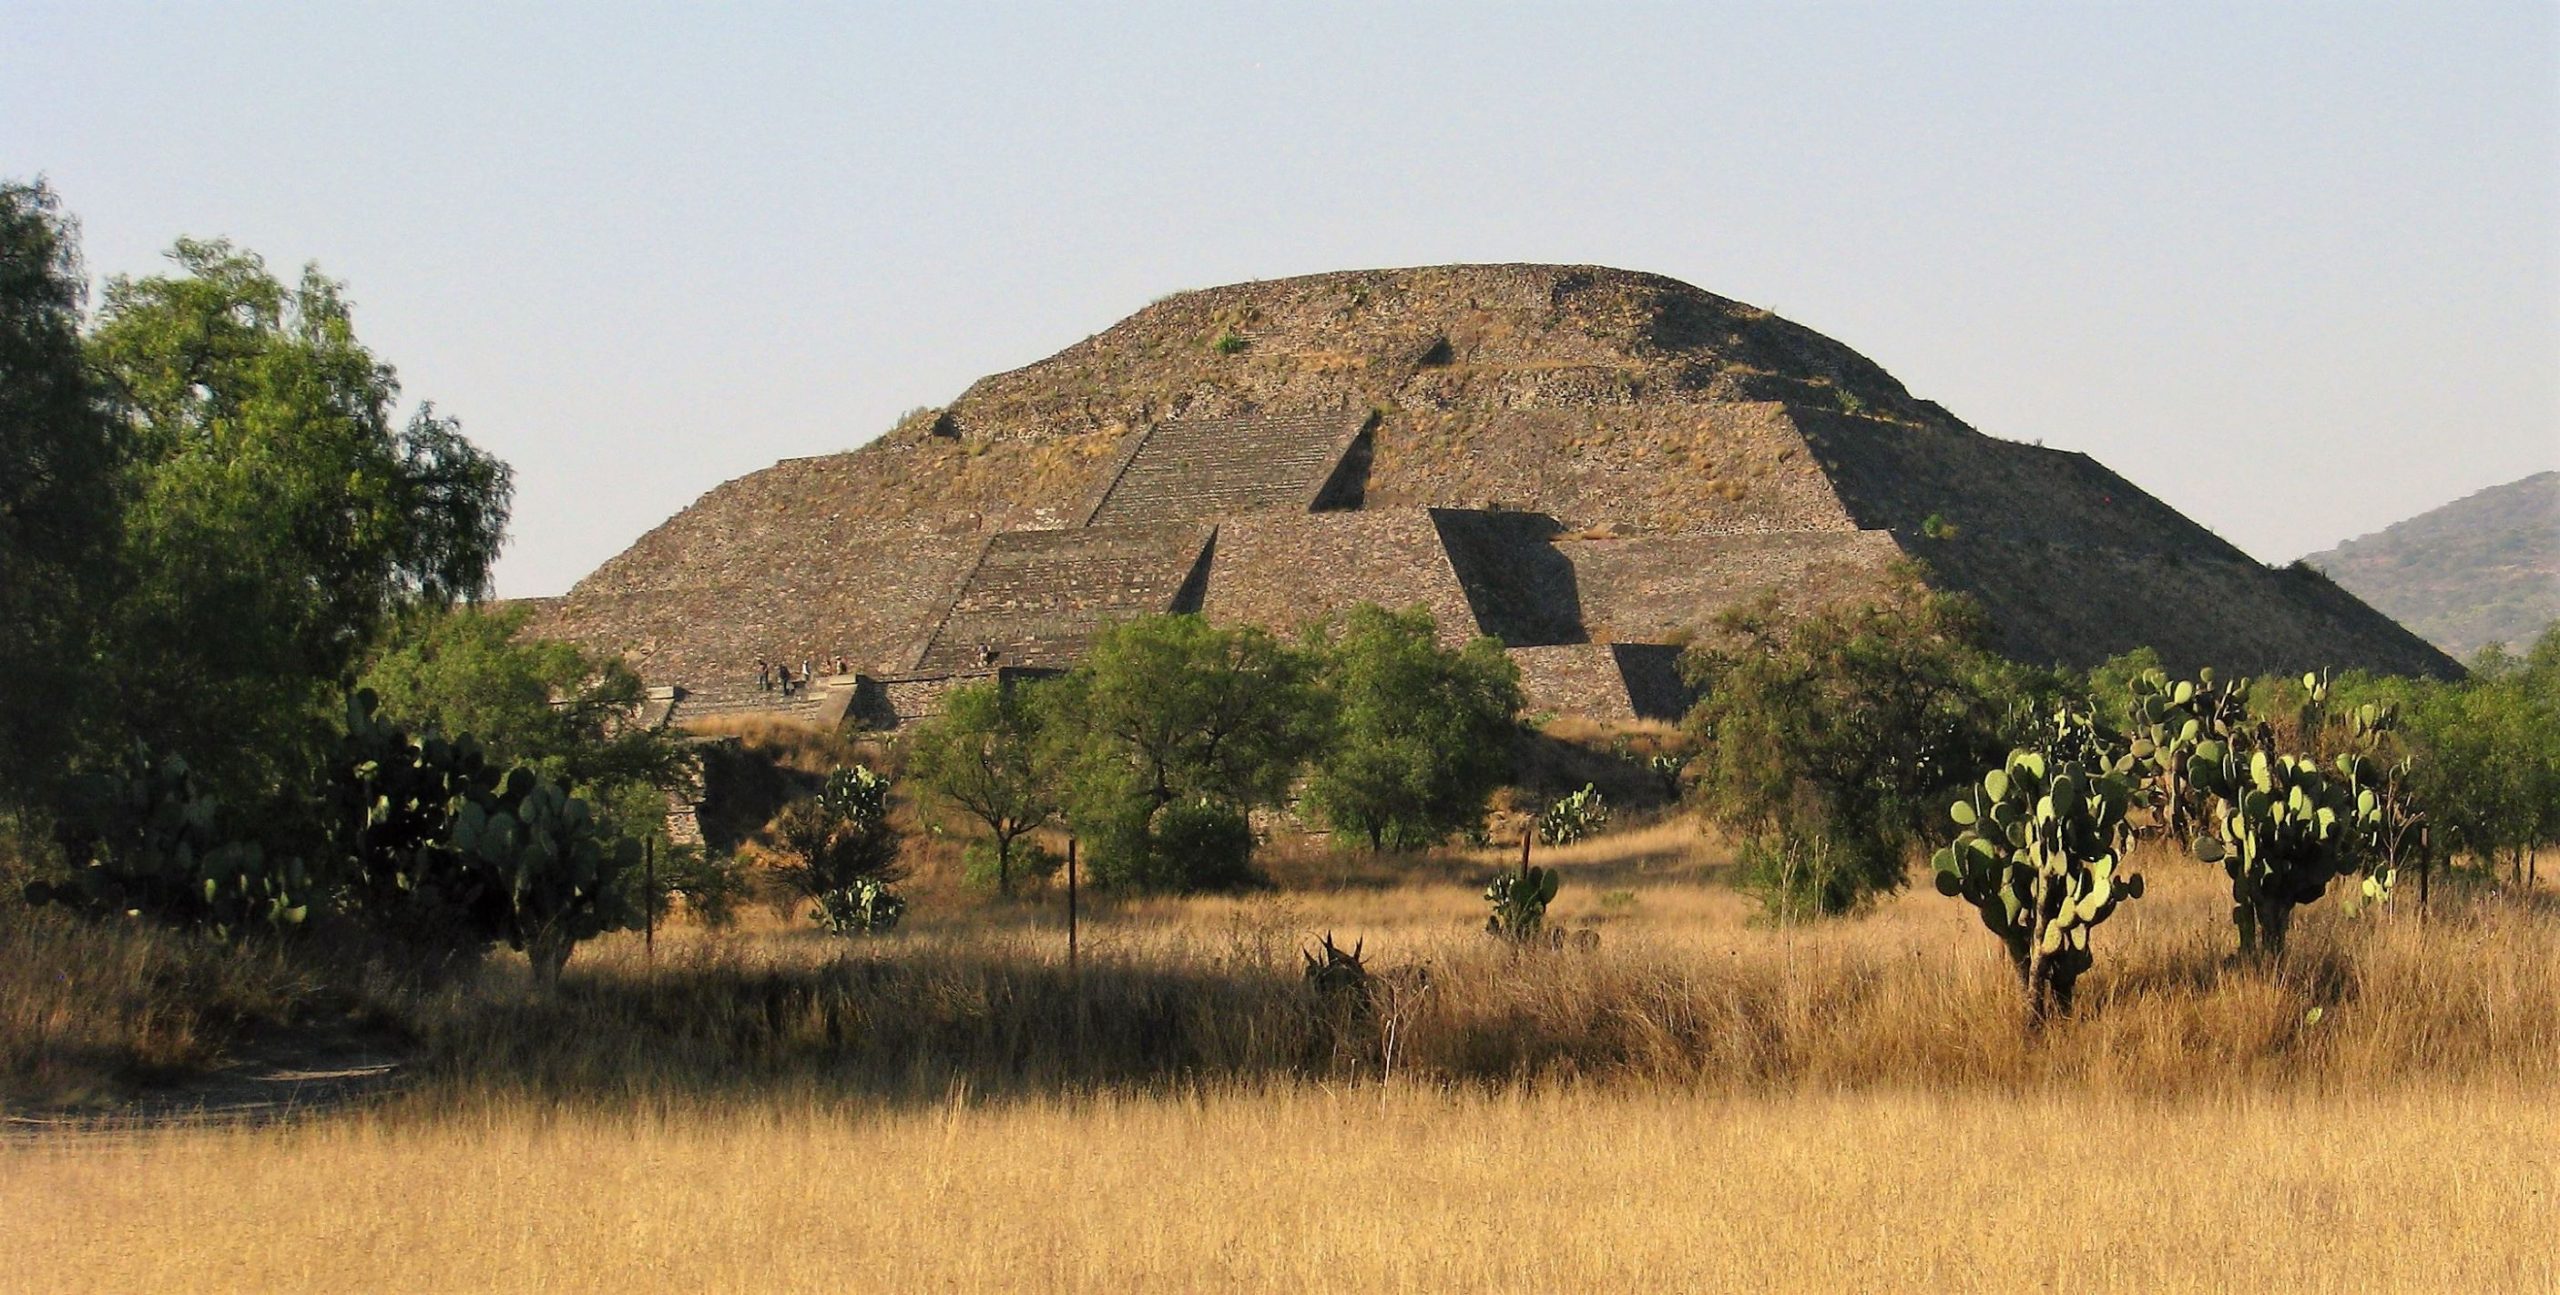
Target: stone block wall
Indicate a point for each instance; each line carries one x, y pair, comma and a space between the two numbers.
1574, 679
1286, 570
1215, 467
1658, 588
1037, 597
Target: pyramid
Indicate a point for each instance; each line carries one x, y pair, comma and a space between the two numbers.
1584, 463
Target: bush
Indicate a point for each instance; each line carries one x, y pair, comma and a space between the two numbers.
838, 842
1808, 874
1187, 846
1206, 845
1029, 863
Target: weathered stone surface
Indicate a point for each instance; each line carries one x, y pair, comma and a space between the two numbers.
1651, 588
1217, 467
1286, 570
1561, 456
1036, 598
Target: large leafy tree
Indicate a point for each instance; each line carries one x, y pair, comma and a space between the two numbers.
1171, 713
570, 715
1832, 742
61, 456
1421, 732
985, 756
281, 517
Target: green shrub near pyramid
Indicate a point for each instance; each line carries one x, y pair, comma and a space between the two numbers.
1586, 463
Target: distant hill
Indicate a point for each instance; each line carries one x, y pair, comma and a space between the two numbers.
2483, 569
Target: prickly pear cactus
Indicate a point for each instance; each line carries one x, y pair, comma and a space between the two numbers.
2167, 720
2040, 856
867, 907
1574, 817
1520, 900
2391, 830
2283, 829
550, 873
393, 798
146, 841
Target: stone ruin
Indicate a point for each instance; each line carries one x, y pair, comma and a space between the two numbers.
1584, 464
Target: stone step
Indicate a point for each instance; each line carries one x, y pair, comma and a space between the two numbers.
1206, 467
1037, 597
801, 706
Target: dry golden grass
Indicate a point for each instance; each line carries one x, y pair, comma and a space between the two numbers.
1394, 1188
1700, 1103
87, 1011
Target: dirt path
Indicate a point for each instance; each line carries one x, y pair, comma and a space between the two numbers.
270, 1084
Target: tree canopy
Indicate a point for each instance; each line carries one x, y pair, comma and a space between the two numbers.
61, 459
281, 517
1169, 710
1421, 733
568, 714
985, 756
1832, 741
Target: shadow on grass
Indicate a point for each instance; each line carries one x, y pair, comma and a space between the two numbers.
888, 1026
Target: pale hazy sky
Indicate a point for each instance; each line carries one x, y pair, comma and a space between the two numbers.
2294, 268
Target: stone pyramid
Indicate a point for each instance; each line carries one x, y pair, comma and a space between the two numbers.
1587, 464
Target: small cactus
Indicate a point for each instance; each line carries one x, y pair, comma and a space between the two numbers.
1520, 900
1574, 817
866, 907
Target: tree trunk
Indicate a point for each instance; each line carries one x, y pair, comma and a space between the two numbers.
2275, 918
2039, 969
546, 953
1004, 865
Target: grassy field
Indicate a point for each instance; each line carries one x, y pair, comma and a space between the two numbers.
1699, 1102
1313, 1187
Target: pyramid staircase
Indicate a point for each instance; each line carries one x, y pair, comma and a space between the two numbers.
1036, 598
1213, 467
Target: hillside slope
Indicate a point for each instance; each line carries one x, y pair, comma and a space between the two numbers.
2483, 569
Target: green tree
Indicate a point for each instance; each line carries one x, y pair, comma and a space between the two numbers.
1171, 709
61, 459
985, 756
2487, 756
1421, 732
573, 716
281, 517
1833, 741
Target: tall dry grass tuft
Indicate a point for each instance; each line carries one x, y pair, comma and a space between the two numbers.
89, 1011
